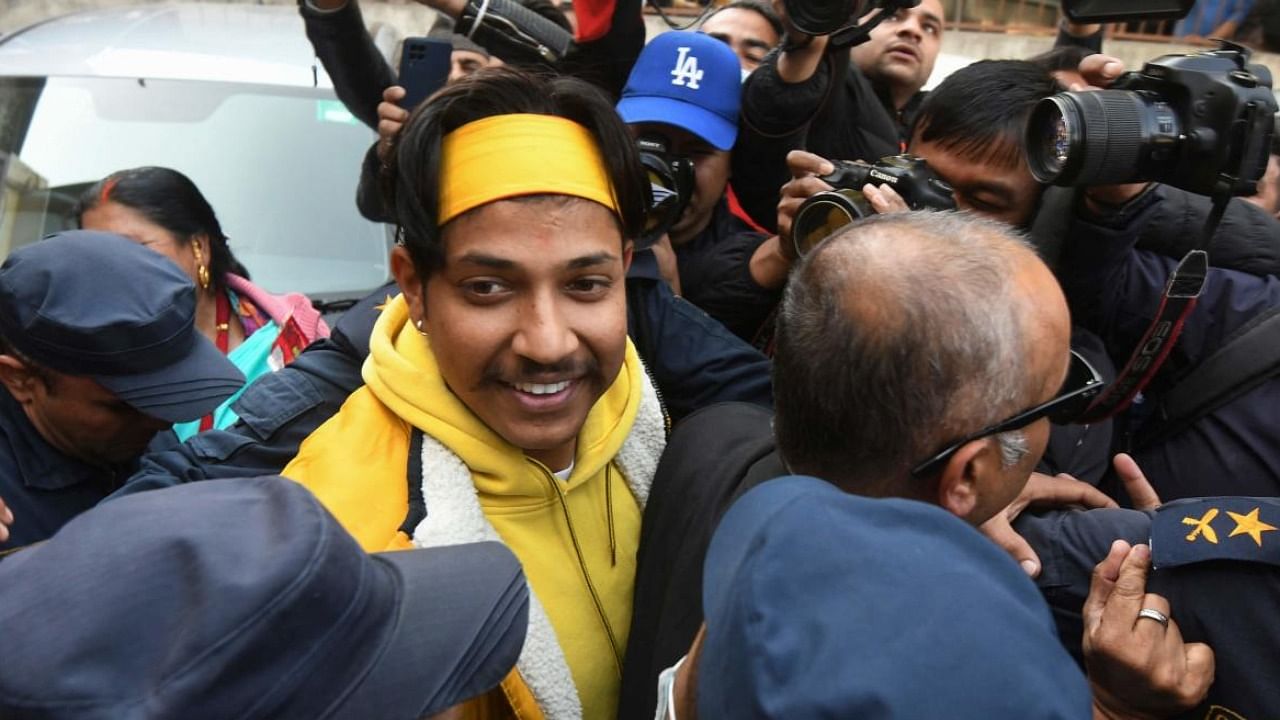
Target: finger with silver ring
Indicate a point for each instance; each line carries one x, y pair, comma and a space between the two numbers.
1153, 614
1154, 607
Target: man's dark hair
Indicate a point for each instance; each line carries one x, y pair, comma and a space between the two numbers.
758, 7
979, 111
411, 181
895, 336
1065, 57
40, 372
171, 200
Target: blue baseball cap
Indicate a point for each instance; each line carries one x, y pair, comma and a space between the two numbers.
824, 604
99, 305
686, 79
246, 599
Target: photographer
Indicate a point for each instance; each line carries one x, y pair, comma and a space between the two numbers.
681, 104
1224, 440
856, 104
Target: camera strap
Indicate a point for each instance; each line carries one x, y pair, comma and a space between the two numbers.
1179, 299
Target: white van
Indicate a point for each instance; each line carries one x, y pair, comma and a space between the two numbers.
230, 95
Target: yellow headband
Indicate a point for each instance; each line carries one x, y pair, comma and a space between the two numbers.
506, 156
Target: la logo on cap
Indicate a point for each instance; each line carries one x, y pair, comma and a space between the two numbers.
686, 73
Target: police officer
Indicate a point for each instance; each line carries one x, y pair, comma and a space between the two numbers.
1216, 560
98, 353
246, 599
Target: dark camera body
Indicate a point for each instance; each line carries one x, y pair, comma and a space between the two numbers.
1201, 122
671, 184
826, 212
816, 17
827, 17
1098, 11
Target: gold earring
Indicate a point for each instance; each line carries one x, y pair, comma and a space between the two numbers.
421, 332
202, 272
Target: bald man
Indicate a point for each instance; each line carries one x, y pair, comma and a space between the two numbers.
919, 356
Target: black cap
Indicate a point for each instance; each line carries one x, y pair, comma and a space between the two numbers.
246, 599
99, 305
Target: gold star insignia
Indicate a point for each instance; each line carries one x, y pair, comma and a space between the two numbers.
1250, 525
384, 304
1202, 526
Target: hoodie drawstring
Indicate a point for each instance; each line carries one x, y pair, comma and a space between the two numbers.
608, 511
582, 565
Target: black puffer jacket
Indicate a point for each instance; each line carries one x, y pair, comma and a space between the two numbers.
1247, 240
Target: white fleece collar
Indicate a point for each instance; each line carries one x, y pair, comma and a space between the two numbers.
454, 517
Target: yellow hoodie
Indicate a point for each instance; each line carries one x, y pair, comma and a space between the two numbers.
576, 538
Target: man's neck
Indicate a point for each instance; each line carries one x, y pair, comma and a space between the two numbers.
895, 97
555, 459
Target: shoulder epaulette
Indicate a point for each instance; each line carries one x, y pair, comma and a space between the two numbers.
1222, 528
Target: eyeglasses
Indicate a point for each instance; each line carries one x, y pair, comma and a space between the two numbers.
1082, 385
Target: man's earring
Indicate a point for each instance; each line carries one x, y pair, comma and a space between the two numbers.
421, 332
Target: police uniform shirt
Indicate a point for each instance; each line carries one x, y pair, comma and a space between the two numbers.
1217, 561
43, 487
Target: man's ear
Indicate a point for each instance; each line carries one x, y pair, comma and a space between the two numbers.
960, 485
628, 254
18, 379
405, 271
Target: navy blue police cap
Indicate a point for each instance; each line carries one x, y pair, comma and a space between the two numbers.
823, 604
98, 305
246, 599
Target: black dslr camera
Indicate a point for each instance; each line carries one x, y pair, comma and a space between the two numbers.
1199, 121
828, 211
840, 17
671, 181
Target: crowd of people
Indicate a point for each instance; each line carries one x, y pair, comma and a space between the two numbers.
588, 457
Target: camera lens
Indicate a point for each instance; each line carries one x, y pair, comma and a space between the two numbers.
1054, 138
824, 213
1101, 137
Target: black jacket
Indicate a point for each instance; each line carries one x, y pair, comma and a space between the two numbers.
1247, 239
713, 457
1114, 289
715, 274
836, 113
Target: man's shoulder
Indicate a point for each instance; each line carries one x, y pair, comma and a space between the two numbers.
727, 423
722, 440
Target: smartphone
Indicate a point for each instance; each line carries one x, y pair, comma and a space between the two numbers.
424, 68
1095, 11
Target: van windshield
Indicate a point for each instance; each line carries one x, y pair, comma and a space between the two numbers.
279, 165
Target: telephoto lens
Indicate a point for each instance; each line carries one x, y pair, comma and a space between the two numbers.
1101, 138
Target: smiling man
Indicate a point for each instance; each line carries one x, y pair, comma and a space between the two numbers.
503, 400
